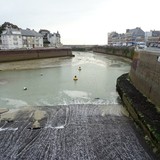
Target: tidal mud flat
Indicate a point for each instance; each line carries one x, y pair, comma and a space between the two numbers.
31, 64
69, 132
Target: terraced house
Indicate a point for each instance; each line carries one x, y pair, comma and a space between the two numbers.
20, 38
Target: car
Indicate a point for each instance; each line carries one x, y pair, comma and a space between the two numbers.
130, 44
124, 44
155, 44
151, 45
158, 46
141, 45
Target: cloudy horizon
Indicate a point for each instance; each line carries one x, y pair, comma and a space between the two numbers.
82, 22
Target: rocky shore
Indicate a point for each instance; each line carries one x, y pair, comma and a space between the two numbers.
143, 112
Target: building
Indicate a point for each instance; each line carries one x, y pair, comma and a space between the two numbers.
31, 39
152, 37
11, 39
132, 36
115, 39
20, 38
112, 38
45, 32
51, 40
54, 39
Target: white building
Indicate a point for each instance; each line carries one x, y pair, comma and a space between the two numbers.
54, 39
11, 39
31, 39
51, 40
19, 38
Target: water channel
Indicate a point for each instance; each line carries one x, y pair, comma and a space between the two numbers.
50, 81
59, 118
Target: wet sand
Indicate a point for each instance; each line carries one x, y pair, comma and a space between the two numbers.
84, 132
30, 64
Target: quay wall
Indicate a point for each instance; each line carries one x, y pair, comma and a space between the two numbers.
140, 90
28, 54
145, 74
118, 51
145, 69
142, 111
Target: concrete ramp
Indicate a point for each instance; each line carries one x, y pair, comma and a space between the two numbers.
84, 132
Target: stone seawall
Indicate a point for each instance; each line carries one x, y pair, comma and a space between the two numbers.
118, 51
145, 75
143, 112
140, 90
17, 55
145, 69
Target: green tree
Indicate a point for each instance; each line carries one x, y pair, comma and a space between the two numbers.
5, 24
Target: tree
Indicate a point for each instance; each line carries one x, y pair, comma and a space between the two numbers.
7, 24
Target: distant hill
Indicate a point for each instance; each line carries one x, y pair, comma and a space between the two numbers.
5, 24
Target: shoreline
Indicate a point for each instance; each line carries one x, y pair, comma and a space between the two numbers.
30, 64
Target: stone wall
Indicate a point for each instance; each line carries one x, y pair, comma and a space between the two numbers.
16, 55
118, 51
143, 112
145, 75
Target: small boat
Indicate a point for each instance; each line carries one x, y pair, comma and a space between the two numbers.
75, 78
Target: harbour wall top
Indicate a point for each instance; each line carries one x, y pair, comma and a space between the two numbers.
27, 54
118, 51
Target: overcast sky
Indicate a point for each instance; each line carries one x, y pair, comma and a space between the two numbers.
82, 21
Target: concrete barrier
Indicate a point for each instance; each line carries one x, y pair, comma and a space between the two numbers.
118, 51
17, 55
145, 75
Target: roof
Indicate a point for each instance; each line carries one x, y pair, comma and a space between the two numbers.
11, 31
44, 30
23, 32
52, 35
136, 32
155, 33
28, 32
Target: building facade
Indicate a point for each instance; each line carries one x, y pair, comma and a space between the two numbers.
20, 38
132, 36
152, 37
51, 40
115, 39
11, 39
135, 35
